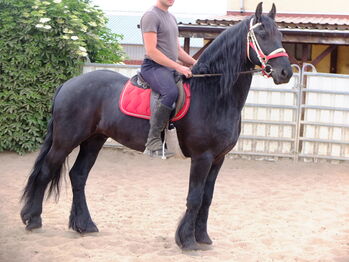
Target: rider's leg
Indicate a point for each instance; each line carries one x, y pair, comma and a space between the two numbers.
161, 80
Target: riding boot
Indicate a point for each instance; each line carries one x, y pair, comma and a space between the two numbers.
159, 118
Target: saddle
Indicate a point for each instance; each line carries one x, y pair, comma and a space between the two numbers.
137, 99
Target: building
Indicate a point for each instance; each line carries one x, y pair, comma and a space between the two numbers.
128, 26
310, 34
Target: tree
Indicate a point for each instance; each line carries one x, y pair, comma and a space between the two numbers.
43, 44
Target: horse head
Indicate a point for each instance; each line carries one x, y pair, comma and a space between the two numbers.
264, 46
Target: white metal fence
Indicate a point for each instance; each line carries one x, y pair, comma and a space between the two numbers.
127, 70
324, 118
269, 119
308, 118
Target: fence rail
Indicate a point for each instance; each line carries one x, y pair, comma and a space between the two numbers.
324, 128
307, 118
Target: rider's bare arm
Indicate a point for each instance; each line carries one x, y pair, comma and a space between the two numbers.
150, 40
185, 57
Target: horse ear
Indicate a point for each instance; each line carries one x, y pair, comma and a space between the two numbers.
272, 12
258, 13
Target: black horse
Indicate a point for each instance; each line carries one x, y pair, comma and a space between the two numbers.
85, 113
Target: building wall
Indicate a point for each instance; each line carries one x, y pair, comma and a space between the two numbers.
294, 6
343, 60
135, 52
324, 65
334, 7
127, 26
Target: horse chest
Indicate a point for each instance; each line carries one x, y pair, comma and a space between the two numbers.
221, 138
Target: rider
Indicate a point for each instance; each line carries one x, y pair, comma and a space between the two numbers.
162, 50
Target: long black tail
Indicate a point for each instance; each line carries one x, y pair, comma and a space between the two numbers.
45, 148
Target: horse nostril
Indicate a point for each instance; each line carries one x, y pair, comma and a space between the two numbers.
286, 73
283, 72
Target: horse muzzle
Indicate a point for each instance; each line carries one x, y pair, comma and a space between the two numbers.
281, 75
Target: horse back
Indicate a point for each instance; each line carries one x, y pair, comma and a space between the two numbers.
90, 103
86, 97
91, 85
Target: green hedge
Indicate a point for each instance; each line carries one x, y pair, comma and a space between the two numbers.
43, 44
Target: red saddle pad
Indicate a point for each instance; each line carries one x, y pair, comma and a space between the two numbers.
135, 101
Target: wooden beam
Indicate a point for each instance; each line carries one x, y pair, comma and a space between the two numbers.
198, 53
315, 40
293, 60
205, 35
334, 59
327, 51
187, 45
325, 40
305, 52
309, 36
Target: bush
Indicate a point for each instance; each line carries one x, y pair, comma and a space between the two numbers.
43, 44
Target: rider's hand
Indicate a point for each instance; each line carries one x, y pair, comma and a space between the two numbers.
184, 71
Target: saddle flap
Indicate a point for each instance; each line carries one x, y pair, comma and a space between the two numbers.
135, 101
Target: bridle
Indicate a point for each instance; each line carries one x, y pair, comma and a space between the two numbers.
263, 59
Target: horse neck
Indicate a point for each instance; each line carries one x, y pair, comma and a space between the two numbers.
226, 55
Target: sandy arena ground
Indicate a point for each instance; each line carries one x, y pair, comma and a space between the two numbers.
262, 211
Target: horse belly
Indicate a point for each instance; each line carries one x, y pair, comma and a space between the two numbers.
129, 131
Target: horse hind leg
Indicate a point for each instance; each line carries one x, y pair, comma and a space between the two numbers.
46, 169
80, 219
201, 234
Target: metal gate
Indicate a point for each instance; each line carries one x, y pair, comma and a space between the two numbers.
270, 115
324, 116
307, 118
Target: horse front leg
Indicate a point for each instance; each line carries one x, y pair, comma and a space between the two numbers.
185, 235
201, 234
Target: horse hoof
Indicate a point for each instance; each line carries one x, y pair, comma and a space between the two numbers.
92, 229
204, 239
25, 219
89, 228
193, 246
33, 223
25, 216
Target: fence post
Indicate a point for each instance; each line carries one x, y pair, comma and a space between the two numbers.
298, 112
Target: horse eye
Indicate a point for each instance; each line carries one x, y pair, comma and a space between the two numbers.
261, 31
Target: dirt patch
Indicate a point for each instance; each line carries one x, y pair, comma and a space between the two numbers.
261, 211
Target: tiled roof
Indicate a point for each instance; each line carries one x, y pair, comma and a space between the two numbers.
294, 21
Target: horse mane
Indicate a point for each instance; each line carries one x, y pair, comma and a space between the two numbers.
225, 55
